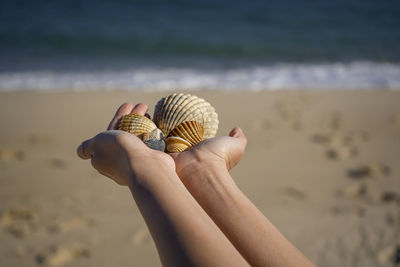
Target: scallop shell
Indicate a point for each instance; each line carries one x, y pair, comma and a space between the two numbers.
144, 128
176, 144
136, 124
191, 131
174, 109
184, 136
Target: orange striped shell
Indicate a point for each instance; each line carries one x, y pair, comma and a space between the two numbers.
184, 136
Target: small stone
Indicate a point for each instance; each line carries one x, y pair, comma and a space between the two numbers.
396, 258
140, 236
295, 124
355, 190
389, 196
379, 170
339, 210
359, 172
19, 229
57, 163
70, 225
396, 120
22, 214
335, 122
389, 255
260, 125
321, 138
374, 170
339, 140
294, 193
20, 250
343, 152
60, 255
39, 139
9, 155
155, 144
389, 219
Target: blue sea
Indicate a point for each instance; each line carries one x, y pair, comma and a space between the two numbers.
213, 45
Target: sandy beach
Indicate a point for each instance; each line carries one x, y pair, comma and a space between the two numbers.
323, 166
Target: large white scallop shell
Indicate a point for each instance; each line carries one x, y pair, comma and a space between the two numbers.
174, 109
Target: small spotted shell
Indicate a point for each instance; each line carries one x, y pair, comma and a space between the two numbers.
174, 109
136, 124
144, 128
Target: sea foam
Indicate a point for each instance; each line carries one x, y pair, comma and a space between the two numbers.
357, 75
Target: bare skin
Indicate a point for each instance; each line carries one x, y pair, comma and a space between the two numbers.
183, 233
204, 171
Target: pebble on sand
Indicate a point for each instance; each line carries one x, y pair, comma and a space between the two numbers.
9, 155
376, 170
60, 255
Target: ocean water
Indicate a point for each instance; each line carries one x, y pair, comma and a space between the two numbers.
222, 45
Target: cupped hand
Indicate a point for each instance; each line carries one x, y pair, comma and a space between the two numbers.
122, 156
223, 150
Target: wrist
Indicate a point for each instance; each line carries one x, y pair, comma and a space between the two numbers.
150, 169
204, 170
201, 163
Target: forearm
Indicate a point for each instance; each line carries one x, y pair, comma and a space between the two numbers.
183, 232
260, 243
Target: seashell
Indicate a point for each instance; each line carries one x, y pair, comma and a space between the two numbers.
176, 144
174, 109
144, 128
184, 136
191, 131
136, 124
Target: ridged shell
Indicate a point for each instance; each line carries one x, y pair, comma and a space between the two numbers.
174, 109
176, 144
136, 124
191, 131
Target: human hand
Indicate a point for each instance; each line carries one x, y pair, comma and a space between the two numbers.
222, 151
122, 156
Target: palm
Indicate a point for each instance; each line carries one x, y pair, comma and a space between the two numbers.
133, 144
224, 148
227, 149
139, 147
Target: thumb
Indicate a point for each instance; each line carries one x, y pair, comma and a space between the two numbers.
85, 149
238, 147
237, 132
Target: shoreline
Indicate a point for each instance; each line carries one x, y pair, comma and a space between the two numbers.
294, 76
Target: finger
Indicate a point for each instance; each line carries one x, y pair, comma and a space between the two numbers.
85, 150
237, 132
148, 115
140, 109
105, 174
111, 177
239, 148
124, 109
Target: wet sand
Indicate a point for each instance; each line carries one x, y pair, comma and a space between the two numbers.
322, 166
